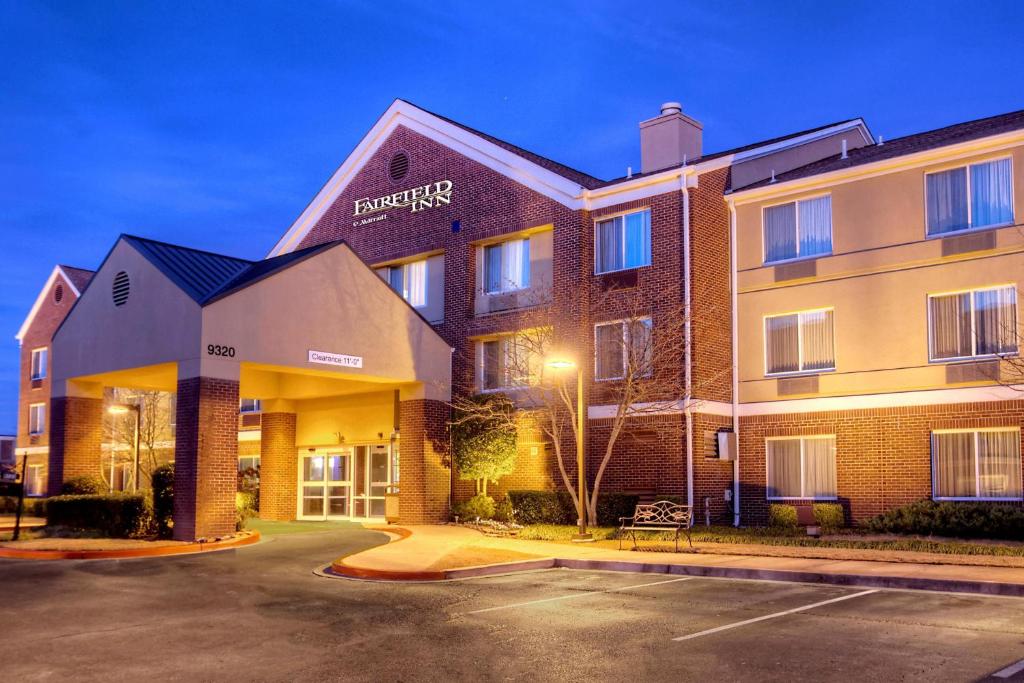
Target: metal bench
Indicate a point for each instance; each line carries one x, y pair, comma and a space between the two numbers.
662, 515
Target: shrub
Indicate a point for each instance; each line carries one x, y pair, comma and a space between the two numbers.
484, 439
504, 512
163, 499
120, 515
543, 507
829, 516
957, 519
611, 506
479, 506
245, 508
782, 517
34, 507
82, 486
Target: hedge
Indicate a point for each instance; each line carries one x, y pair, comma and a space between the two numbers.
555, 507
829, 516
83, 485
782, 517
163, 499
119, 515
34, 507
954, 519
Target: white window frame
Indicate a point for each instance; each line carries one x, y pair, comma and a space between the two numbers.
798, 257
623, 324
623, 214
799, 342
385, 274
970, 218
482, 370
43, 354
977, 466
803, 465
974, 334
504, 286
256, 408
36, 475
247, 457
33, 409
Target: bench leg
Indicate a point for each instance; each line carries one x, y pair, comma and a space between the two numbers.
677, 540
688, 539
633, 534
620, 539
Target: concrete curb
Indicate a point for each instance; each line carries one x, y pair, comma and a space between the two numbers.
129, 553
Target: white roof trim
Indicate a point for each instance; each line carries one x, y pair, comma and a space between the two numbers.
57, 270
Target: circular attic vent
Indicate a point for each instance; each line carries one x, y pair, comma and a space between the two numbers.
399, 166
58, 293
121, 287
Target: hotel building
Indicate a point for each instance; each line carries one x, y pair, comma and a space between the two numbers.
850, 327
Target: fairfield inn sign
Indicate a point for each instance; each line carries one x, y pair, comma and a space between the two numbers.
416, 199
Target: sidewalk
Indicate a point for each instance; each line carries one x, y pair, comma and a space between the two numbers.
436, 553
7, 522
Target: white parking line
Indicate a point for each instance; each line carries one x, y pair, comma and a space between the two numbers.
1010, 671
578, 595
774, 616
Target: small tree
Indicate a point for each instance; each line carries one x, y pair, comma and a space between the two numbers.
483, 434
156, 431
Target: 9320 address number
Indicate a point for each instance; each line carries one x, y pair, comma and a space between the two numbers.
218, 350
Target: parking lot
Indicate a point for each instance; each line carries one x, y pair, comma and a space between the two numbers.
259, 613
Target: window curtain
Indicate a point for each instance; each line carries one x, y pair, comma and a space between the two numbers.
815, 226
609, 342
416, 283
991, 193
395, 279
995, 320
515, 265
491, 365
492, 268
818, 351
780, 232
641, 351
638, 239
999, 464
783, 468
953, 464
947, 201
951, 326
820, 468
783, 345
609, 245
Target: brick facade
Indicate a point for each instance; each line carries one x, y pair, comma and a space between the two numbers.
205, 458
76, 439
278, 467
425, 474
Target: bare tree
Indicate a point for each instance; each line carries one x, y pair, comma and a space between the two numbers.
156, 430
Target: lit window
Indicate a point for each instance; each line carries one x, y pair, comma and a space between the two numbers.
34, 480
799, 229
977, 323
623, 348
976, 464
36, 419
507, 266
249, 405
39, 357
249, 465
969, 197
799, 342
801, 467
623, 242
409, 280
505, 363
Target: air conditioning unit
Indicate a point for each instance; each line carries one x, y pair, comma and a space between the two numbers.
726, 445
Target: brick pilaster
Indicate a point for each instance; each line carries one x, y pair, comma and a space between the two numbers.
425, 477
278, 467
205, 458
76, 439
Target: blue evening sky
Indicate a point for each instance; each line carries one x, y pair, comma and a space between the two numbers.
213, 124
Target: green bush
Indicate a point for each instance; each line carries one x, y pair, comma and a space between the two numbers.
955, 519
34, 507
503, 511
163, 499
782, 517
119, 515
543, 507
479, 506
82, 486
612, 506
829, 516
245, 508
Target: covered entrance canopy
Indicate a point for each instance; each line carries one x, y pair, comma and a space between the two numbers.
336, 358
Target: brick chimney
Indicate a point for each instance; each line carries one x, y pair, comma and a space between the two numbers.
666, 139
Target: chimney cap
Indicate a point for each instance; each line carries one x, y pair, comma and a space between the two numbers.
671, 108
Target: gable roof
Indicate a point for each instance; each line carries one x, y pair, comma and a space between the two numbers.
909, 144
198, 273
260, 270
76, 278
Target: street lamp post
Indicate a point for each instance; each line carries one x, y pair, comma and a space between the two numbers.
121, 409
581, 440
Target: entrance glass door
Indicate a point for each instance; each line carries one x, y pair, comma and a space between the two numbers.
371, 480
347, 482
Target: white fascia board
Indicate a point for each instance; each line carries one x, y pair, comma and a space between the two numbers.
496, 158
57, 272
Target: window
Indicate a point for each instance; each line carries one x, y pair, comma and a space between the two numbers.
799, 229
981, 322
976, 464
34, 480
507, 266
36, 419
623, 242
799, 342
249, 405
39, 363
248, 464
969, 197
409, 280
623, 347
802, 467
505, 363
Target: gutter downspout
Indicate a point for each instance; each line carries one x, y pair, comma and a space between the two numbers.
735, 364
687, 323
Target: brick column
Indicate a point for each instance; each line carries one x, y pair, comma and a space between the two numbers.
278, 467
76, 439
425, 477
205, 458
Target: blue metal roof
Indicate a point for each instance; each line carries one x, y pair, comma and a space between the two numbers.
198, 273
